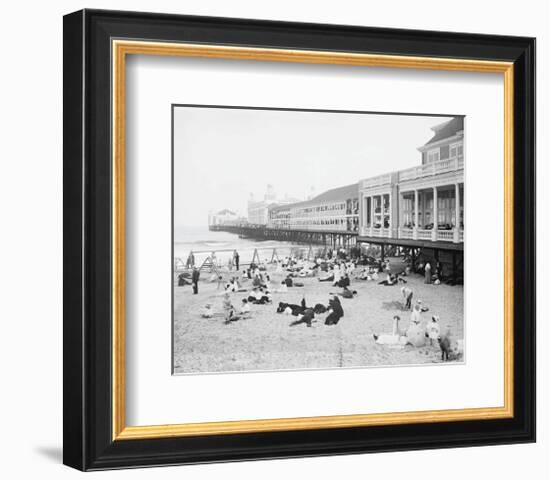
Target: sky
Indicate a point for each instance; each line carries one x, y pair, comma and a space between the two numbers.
223, 155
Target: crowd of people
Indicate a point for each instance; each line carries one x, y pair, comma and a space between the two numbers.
339, 270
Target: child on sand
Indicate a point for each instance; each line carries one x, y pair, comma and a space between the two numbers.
433, 330
227, 307
245, 309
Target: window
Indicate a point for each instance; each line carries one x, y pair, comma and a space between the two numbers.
433, 156
456, 150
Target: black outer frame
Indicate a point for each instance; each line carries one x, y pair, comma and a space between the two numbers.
87, 239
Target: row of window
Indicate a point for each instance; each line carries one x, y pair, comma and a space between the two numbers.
446, 151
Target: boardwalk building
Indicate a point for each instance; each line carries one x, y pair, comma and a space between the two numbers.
334, 210
421, 204
258, 210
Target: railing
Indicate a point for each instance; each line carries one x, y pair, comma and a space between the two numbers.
434, 168
405, 233
445, 235
378, 180
423, 234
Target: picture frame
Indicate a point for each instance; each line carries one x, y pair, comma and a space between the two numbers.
96, 46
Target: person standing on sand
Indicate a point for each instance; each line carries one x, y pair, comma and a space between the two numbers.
428, 273
237, 258
195, 280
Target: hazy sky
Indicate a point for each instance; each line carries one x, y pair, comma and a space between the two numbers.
223, 155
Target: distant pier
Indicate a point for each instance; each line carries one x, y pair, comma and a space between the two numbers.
328, 238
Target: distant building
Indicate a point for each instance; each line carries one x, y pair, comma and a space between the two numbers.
424, 202
258, 209
223, 217
334, 210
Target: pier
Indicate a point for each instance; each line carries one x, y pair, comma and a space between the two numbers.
328, 238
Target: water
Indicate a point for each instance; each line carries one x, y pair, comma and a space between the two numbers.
200, 239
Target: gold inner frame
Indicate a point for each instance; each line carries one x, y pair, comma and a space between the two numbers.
120, 50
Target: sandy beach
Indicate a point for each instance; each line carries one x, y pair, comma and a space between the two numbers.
266, 342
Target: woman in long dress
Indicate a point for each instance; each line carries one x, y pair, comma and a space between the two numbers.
428, 273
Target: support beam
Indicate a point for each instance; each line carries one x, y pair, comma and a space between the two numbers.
415, 228
435, 215
456, 234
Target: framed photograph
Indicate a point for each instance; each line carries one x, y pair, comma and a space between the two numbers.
286, 239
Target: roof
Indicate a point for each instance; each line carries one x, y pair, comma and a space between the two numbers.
332, 195
225, 211
447, 129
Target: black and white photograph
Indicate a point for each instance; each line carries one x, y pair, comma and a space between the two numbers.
316, 239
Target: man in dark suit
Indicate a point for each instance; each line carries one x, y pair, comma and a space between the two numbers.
237, 260
195, 280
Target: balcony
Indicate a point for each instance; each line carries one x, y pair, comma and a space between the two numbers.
428, 234
445, 235
430, 169
375, 181
376, 232
422, 234
406, 233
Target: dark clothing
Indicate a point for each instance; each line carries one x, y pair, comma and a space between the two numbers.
344, 282
288, 281
306, 318
237, 261
195, 280
409, 301
336, 314
347, 293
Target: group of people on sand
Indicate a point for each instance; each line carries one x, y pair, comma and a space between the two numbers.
432, 276
306, 315
419, 332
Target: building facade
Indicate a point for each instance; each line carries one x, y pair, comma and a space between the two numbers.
258, 210
224, 217
424, 202
334, 210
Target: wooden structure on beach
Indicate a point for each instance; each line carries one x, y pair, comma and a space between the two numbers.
328, 238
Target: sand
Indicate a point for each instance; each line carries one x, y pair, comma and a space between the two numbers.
266, 342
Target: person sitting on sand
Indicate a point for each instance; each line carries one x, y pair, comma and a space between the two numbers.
337, 276
288, 281
390, 280
347, 293
306, 318
227, 307
423, 308
344, 281
327, 278
282, 288
245, 310
365, 275
336, 311
207, 311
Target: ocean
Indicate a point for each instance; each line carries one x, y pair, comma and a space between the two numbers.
203, 242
